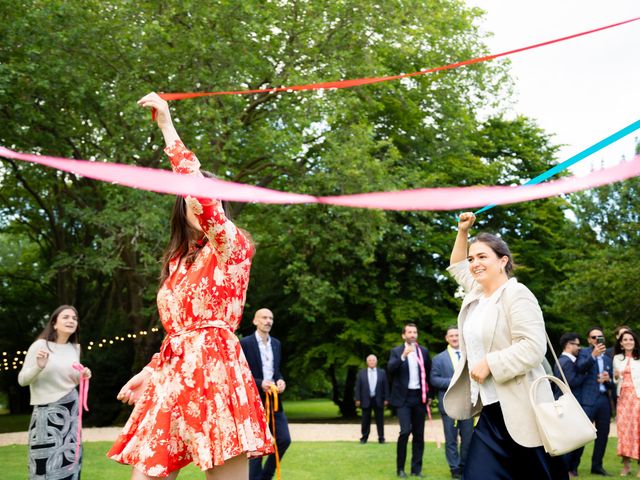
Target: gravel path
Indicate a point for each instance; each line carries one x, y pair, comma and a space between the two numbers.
300, 432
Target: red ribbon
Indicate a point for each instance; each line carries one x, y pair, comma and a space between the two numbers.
82, 404
366, 81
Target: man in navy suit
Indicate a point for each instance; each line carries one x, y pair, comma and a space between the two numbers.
570, 345
442, 369
409, 368
263, 354
594, 398
372, 393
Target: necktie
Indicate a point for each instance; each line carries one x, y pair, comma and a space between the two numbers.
423, 375
458, 354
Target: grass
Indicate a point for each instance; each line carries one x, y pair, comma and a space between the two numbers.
314, 410
303, 461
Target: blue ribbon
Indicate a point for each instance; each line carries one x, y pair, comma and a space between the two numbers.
576, 158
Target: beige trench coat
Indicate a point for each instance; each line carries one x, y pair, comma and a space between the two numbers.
514, 337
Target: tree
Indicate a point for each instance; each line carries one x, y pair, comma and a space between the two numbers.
340, 281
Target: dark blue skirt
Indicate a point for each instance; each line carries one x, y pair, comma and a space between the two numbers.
494, 455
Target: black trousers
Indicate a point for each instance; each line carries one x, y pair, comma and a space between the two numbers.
600, 414
258, 471
494, 455
411, 416
366, 420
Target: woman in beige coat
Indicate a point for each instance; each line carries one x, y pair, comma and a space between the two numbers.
502, 346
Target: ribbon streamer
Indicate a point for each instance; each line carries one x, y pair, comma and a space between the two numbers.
576, 158
445, 198
366, 81
272, 408
82, 404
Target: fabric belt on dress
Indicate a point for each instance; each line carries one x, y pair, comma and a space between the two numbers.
172, 346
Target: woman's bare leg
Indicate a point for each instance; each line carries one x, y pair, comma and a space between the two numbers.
233, 469
138, 475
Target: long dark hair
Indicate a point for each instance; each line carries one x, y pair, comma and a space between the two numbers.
499, 247
51, 335
636, 347
182, 234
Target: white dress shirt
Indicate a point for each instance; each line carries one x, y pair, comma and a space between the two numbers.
266, 355
373, 380
414, 369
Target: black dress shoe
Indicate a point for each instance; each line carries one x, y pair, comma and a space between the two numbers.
600, 471
456, 475
401, 474
363, 441
419, 475
381, 440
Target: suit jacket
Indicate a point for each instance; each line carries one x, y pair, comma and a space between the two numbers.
362, 392
514, 337
251, 351
399, 373
441, 375
575, 379
619, 364
588, 366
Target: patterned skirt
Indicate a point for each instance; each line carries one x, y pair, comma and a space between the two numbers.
53, 432
200, 405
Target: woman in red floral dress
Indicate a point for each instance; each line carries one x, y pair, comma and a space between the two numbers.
626, 373
196, 401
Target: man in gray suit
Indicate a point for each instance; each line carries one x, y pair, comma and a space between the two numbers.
372, 393
442, 369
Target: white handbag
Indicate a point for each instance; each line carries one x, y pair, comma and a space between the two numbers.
563, 425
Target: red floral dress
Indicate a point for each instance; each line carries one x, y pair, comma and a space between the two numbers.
201, 403
628, 415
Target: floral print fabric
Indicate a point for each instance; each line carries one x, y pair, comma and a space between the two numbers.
628, 416
201, 404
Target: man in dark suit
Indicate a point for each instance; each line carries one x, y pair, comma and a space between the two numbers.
570, 345
372, 393
409, 368
595, 396
444, 364
263, 354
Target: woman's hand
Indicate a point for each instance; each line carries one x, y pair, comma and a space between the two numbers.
465, 221
131, 391
42, 357
163, 116
481, 371
86, 373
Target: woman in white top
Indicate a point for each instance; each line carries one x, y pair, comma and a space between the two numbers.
48, 370
502, 345
626, 374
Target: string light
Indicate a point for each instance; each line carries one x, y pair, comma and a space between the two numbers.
92, 345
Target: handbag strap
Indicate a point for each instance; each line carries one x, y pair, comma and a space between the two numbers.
553, 352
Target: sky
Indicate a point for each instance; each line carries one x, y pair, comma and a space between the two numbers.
581, 90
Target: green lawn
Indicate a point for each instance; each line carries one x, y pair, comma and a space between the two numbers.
303, 461
313, 410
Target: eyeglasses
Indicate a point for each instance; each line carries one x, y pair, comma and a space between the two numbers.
577, 344
593, 337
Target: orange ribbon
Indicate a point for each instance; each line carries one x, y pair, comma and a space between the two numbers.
273, 392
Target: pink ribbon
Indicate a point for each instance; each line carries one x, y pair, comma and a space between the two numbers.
425, 388
82, 404
445, 198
